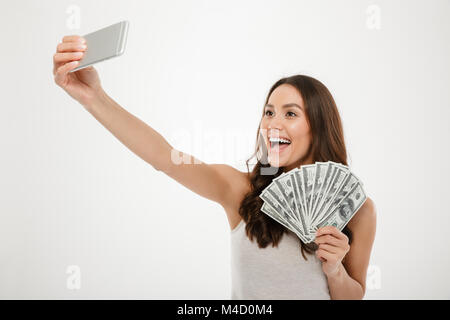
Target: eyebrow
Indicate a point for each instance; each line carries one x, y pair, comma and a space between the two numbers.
287, 105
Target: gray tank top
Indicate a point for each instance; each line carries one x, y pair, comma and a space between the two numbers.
274, 272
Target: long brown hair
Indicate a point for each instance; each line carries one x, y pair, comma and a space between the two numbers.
327, 145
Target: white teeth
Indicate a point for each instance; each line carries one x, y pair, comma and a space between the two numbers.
279, 140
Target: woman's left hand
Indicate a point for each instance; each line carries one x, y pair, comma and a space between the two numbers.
333, 246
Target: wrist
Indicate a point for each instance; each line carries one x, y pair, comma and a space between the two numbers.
337, 274
99, 97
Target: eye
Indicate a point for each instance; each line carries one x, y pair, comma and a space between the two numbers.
291, 112
268, 111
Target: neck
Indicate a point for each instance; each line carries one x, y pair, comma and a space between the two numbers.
298, 164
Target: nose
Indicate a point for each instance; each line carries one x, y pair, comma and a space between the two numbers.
275, 123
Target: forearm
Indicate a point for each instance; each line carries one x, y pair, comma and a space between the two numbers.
344, 287
135, 134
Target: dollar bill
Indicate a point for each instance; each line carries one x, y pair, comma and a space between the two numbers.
312, 196
345, 187
285, 188
298, 203
338, 177
272, 192
323, 170
281, 214
346, 209
308, 172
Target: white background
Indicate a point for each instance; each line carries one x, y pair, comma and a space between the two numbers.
198, 72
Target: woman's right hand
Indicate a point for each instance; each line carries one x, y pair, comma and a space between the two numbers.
82, 85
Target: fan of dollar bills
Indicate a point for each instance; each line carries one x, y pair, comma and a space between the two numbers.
313, 196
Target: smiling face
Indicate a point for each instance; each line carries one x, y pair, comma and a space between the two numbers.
285, 117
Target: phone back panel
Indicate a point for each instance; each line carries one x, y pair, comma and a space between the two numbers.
104, 44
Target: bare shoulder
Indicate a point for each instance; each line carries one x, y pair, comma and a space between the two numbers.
238, 182
228, 170
238, 186
363, 229
232, 173
365, 218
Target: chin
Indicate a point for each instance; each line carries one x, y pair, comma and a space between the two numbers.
280, 163
283, 158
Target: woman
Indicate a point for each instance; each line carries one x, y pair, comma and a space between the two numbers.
299, 109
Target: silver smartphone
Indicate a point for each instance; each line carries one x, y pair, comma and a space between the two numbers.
104, 44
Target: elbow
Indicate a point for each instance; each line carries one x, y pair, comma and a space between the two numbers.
162, 164
164, 167
167, 160
160, 168
361, 293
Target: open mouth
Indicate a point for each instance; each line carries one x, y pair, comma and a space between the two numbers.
279, 144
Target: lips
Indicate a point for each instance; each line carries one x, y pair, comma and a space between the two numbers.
278, 143
278, 147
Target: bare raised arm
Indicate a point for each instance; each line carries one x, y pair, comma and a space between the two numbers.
218, 182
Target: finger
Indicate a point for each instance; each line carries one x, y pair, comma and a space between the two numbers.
329, 257
73, 38
62, 71
331, 230
328, 238
67, 56
61, 58
70, 47
329, 248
